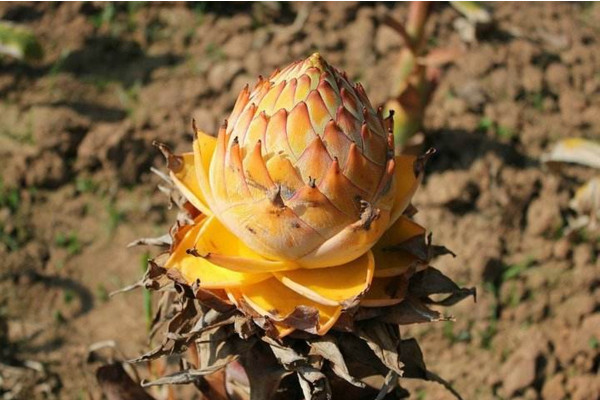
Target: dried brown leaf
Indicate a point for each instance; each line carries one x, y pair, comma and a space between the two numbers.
160, 241
431, 281
410, 311
389, 383
360, 359
220, 346
414, 366
327, 348
182, 377
303, 318
314, 383
116, 384
264, 381
384, 341
154, 278
211, 299
286, 355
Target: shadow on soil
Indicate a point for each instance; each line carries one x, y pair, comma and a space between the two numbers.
460, 148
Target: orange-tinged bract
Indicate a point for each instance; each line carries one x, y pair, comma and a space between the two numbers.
302, 199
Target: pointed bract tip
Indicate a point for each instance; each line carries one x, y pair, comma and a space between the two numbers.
317, 61
275, 197
174, 161
368, 214
421, 161
365, 113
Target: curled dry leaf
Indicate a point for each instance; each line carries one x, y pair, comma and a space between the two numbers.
574, 150
586, 200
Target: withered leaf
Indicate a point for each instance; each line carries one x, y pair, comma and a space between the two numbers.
244, 327
221, 319
185, 319
417, 246
342, 389
390, 382
360, 359
182, 377
327, 348
365, 313
286, 355
219, 347
211, 300
213, 386
162, 314
314, 383
154, 278
264, 381
116, 384
303, 318
414, 366
421, 247
431, 281
410, 211
384, 340
410, 311
184, 327
206, 297
345, 322
160, 241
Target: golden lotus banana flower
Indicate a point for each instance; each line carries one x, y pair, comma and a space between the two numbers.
300, 199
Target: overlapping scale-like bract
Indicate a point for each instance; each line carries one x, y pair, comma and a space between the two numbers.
298, 191
303, 159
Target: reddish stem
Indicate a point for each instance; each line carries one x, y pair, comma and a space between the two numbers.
415, 25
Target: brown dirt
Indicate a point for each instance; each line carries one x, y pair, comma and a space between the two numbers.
75, 146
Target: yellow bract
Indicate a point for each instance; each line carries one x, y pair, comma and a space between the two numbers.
273, 299
186, 180
219, 246
324, 285
195, 268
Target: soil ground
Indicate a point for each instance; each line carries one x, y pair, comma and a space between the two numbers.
75, 153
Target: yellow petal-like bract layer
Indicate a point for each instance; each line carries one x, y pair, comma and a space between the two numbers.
211, 276
272, 299
187, 182
393, 261
204, 148
406, 181
219, 246
332, 286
